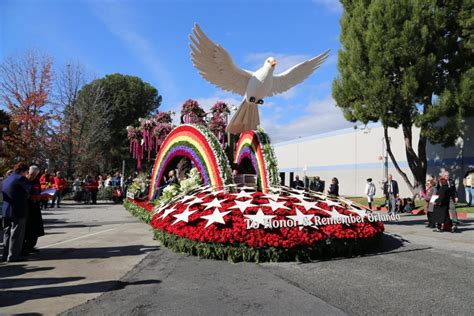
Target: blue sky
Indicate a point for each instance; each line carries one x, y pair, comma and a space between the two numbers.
149, 39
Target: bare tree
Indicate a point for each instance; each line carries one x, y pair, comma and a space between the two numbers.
69, 82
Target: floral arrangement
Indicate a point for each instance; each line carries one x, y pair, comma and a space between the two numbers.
217, 226
192, 113
151, 132
185, 186
139, 186
141, 210
192, 182
136, 147
270, 160
218, 122
222, 160
149, 135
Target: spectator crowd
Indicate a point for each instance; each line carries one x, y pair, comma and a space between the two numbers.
440, 197
26, 190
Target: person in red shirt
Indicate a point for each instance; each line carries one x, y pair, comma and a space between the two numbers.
46, 182
94, 187
59, 183
118, 195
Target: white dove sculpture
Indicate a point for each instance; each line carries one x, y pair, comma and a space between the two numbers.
216, 66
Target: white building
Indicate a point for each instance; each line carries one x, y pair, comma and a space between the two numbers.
355, 154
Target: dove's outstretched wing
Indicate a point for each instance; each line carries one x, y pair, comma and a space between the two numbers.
296, 74
215, 64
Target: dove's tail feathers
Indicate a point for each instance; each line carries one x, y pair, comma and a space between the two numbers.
245, 119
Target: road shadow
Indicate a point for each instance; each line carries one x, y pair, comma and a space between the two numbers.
386, 245
91, 253
50, 223
11, 298
390, 244
16, 283
10, 270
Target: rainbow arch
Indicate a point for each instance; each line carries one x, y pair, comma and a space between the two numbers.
199, 145
255, 145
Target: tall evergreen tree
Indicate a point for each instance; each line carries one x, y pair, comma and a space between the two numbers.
108, 105
408, 63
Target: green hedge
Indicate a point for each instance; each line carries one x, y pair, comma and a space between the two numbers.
138, 211
235, 253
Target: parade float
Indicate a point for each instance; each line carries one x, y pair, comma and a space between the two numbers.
227, 202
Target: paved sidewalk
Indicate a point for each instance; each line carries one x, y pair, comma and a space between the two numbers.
412, 229
86, 250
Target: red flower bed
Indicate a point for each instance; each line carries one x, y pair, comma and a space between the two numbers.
143, 204
235, 230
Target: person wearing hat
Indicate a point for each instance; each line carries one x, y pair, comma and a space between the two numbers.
370, 192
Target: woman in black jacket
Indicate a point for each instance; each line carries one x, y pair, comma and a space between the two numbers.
441, 208
334, 187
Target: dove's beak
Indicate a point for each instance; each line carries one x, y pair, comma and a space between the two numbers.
273, 63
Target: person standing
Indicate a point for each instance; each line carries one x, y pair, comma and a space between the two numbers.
317, 185
94, 187
429, 205
34, 222
441, 207
469, 187
453, 194
59, 183
390, 190
46, 182
297, 184
334, 187
15, 192
370, 191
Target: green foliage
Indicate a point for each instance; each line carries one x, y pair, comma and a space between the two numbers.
105, 194
237, 253
185, 186
407, 63
271, 162
139, 185
191, 182
138, 211
110, 104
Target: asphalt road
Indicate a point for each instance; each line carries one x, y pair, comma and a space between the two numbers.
415, 272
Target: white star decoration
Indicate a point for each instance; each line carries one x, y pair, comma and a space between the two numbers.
196, 200
276, 205
298, 191
215, 217
183, 217
361, 213
332, 203
247, 188
308, 205
260, 217
242, 194
168, 211
335, 214
274, 197
187, 197
242, 205
214, 203
301, 218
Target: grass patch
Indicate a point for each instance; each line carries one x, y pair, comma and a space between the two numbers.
378, 201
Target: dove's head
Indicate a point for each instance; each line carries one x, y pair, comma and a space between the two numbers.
270, 62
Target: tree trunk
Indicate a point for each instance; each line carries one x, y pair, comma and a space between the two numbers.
416, 162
